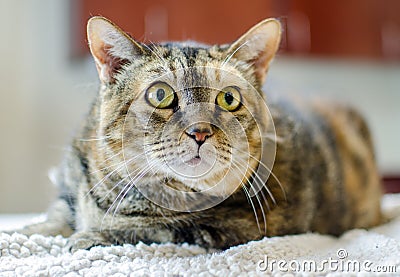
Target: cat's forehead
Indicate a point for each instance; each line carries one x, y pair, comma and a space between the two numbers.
192, 64
189, 53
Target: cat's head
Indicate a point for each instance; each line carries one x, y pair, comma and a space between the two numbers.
187, 114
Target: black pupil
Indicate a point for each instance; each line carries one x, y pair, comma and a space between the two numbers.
160, 94
228, 98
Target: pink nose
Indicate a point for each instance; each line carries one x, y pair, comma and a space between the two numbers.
199, 134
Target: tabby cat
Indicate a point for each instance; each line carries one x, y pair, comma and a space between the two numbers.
183, 117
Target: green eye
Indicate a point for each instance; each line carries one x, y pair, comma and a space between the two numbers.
160, 95
229, 98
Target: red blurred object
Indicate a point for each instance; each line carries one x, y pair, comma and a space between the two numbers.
391, 184
171, 20
356, 29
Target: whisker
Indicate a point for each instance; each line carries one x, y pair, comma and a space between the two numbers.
95, 138
266, 167
261, 183
252, 206
119, 153
104, 161
127, 188
118, 183
137, 177
258, 200
119, 167
266, 188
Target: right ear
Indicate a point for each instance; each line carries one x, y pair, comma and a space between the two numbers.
110, 47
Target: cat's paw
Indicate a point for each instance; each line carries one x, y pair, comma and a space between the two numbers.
86, 240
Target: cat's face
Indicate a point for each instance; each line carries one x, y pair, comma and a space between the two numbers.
188, 114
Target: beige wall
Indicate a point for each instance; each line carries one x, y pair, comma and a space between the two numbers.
43, 95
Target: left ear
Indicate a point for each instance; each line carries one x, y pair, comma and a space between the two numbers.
258, 46
110, 47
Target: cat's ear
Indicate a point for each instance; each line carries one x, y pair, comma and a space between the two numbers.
110, 46
258, 46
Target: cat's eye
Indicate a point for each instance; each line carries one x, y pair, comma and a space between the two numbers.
160, 95
229, 98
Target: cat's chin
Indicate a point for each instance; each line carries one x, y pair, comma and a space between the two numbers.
215, 182
195, 169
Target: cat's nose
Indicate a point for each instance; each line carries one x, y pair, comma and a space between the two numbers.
199, 132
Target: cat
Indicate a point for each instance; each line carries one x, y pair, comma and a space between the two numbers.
172, 150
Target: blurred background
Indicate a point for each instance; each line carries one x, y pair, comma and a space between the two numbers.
344, 50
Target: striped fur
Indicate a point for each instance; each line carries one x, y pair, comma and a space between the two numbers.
325, 174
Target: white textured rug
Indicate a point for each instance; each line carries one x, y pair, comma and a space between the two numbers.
358, 252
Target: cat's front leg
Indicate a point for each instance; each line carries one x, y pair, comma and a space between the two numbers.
90, 238
87, 239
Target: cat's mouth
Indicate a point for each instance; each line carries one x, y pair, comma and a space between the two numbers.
195, 161
194, 166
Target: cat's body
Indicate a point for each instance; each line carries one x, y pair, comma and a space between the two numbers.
328, 181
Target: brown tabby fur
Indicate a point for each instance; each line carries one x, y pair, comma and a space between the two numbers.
325, 162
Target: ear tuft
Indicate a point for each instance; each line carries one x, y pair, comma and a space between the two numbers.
110, 47
258, 46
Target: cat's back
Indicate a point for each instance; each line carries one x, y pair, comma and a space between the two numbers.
325, 155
